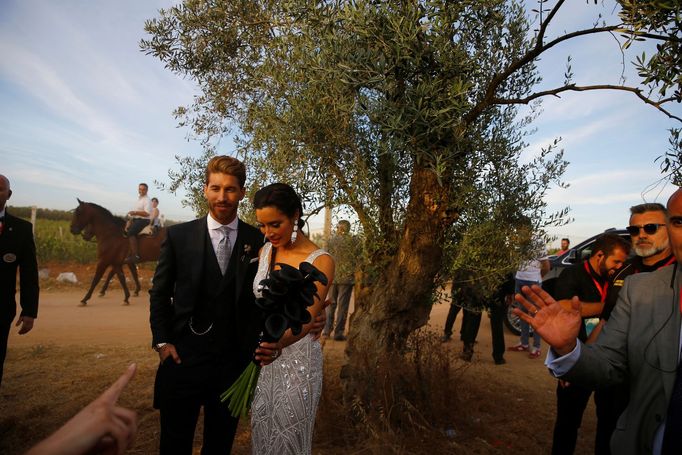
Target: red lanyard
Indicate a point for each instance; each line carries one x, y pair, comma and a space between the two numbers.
602, 290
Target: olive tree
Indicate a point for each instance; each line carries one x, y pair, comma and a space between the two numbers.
405, 111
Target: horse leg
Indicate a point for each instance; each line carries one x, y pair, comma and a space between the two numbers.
122, 279
106, 282
98, 276
133, 272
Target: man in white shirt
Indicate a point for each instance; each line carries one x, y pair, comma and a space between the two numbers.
139, 219
531, 272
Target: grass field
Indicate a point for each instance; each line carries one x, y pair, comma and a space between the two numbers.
55, 243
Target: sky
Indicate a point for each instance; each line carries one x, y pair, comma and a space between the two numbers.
85, 114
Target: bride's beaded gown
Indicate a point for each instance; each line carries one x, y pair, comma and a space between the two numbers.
288, 391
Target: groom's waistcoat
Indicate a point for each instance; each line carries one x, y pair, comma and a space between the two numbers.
216, 303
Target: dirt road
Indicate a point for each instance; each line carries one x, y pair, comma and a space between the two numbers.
517, 399
105, 320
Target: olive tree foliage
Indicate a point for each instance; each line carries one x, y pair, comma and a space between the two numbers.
659, 20
344, 99
671, 161
403, 110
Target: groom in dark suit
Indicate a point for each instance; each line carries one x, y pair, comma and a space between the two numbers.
17, 250
203, 319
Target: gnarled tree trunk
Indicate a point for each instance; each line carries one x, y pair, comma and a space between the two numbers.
399, 302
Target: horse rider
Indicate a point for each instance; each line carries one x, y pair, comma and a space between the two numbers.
139, 219
155, 217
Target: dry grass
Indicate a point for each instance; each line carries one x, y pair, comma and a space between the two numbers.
417, 414
63, 379
436, 403
46, 385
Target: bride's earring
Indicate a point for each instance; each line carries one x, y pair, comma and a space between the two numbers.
295, 233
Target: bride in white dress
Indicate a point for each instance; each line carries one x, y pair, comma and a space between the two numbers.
288, 391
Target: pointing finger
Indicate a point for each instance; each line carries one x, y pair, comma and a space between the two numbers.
114, 391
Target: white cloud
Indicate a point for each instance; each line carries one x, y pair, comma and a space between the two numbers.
613, 186
31, 72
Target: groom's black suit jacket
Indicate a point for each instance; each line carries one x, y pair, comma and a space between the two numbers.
188, 286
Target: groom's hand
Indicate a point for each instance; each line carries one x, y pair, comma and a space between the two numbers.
320, 321
168, 350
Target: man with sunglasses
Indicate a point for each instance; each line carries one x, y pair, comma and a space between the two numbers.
652, 251
651, 247
589, 282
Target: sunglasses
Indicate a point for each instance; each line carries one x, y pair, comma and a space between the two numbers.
650, 229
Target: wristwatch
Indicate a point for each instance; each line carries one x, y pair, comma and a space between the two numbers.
159, 346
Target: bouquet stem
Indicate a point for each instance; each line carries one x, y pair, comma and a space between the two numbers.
241, 391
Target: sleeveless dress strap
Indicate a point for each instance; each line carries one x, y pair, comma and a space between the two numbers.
265, 252
316, 254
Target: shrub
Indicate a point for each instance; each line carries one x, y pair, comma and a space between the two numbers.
55, 243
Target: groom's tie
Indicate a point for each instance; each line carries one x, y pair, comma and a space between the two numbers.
224, 250
672, 438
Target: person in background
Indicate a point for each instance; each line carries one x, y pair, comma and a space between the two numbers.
155, 216
468, 293
565, 245
17, 251
139, 218
344, 249
640, 343
588, 281
530, 272
652, 251
455, 308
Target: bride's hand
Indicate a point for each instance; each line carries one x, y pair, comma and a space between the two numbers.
266, 353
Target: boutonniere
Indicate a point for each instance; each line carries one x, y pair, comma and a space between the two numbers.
246, 253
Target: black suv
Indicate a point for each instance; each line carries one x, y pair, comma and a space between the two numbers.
578, 253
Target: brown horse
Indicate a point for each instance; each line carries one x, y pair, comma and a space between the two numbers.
88, 235
112, 246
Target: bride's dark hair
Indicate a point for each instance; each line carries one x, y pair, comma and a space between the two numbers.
282, 197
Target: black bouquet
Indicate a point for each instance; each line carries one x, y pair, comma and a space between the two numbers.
286, 294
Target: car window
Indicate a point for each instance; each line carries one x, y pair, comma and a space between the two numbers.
583, 252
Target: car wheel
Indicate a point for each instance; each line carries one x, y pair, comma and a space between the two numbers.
513, 322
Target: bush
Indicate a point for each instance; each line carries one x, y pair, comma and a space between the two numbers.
46, 214
422, 402
55, 243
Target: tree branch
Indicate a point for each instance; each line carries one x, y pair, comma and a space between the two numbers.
578, 88
545, 24
354, 202
635, 33
524, 60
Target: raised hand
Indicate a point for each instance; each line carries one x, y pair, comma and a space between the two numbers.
559, 327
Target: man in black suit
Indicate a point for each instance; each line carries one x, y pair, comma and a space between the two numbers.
203, 319
17, 250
